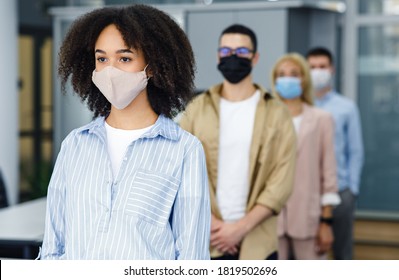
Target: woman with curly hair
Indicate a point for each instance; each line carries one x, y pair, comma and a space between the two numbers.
131, 184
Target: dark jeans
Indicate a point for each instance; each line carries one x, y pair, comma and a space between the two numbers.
272, 256
343, 226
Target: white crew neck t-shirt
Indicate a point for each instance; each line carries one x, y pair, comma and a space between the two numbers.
117, 142
236, 129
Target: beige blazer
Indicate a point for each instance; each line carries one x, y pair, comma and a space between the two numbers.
272, 161
315, 175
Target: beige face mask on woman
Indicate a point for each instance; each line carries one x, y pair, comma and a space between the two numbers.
119, 87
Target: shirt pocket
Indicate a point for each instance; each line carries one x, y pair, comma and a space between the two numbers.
151, 197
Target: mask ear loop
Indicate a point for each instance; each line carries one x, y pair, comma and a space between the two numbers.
148, 77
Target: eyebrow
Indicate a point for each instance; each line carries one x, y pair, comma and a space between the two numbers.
118, 51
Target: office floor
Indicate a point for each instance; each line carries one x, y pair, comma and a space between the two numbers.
376, 240
12, 252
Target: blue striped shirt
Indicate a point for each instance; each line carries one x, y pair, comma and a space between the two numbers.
156, 208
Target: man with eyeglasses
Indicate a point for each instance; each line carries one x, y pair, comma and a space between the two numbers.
250, 147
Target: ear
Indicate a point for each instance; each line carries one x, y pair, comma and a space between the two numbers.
332, 70
255, 59
148, 71
217, 58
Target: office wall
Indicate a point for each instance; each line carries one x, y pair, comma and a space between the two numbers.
312, 27
9, 98
309, 27
205, 27
68, 110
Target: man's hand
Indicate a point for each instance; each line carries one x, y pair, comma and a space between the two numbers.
226, 237
216, 224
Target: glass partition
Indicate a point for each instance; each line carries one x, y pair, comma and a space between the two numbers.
384, 7
378, 99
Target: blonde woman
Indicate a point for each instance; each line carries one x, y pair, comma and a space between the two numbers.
304, 225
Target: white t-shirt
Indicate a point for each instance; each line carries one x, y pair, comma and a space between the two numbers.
297, 122
117, 142
236, 128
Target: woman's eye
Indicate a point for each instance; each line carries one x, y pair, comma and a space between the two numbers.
101, 59
125, 59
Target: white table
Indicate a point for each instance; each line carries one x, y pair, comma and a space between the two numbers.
22, 225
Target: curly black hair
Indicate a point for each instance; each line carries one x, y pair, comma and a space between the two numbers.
164, 44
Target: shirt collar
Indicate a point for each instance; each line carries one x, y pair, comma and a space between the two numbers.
216, 90
326, 97
163, 127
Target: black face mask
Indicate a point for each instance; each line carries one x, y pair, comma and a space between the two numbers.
235, 68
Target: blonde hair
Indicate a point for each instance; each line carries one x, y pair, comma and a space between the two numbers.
299, 60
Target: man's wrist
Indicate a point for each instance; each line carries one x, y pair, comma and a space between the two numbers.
328, 221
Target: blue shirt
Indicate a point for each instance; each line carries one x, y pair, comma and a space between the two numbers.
156, 208
348, 139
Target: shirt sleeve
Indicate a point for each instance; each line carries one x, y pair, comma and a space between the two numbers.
279, 184
54, 233
191, 213
332, 199
328, 170
355, 149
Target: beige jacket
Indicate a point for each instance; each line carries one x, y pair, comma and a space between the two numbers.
272, 162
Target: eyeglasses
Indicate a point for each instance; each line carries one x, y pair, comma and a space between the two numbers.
241, 51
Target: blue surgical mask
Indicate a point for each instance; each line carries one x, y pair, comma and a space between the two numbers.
288, 87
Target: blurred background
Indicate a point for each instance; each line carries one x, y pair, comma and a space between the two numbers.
363, 35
